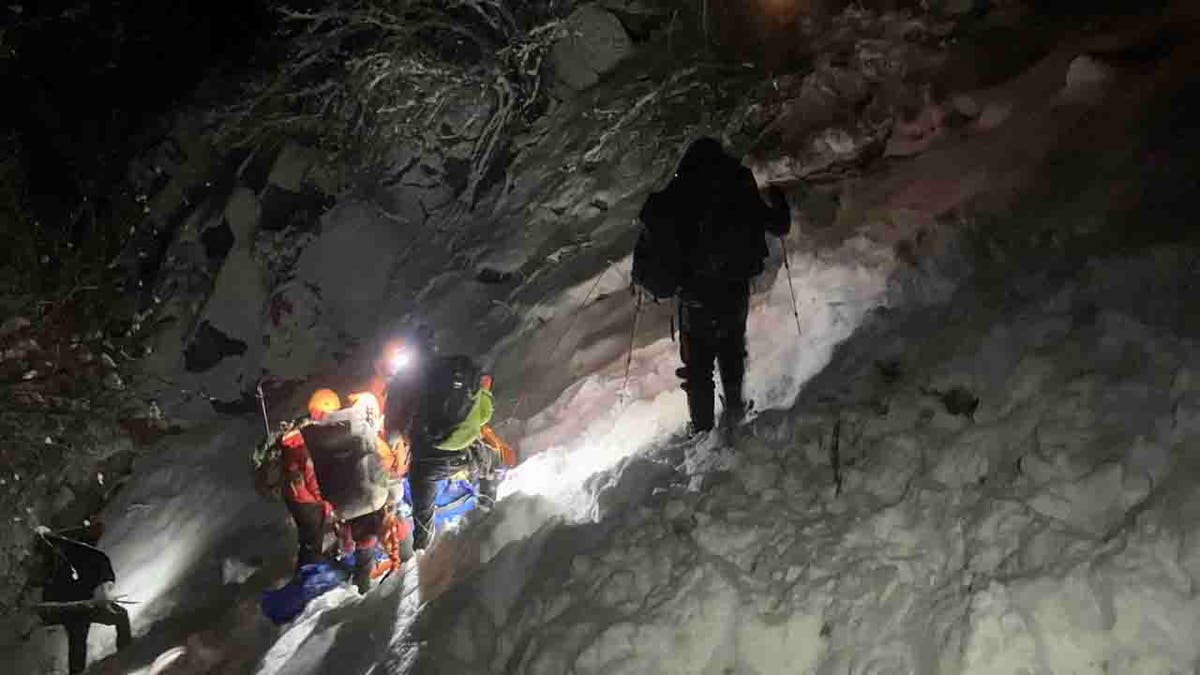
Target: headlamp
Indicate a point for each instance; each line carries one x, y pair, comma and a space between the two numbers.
400, 359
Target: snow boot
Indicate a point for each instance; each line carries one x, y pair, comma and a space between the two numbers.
700, 407
731, 419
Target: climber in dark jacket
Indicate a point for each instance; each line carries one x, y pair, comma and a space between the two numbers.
77, 580
447, 411
720, 223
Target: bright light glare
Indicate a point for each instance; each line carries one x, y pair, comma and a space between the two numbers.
399, 360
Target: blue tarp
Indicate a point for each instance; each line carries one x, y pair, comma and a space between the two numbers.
455, 499
284, 604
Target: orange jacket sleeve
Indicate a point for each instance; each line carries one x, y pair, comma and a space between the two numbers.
299, 478
508, 455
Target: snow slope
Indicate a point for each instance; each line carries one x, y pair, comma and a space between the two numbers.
860, 525
1051, 532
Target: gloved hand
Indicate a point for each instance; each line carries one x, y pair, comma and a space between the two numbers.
104, 593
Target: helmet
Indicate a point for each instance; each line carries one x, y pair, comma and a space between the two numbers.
323, 402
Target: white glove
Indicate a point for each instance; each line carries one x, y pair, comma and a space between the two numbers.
104, 592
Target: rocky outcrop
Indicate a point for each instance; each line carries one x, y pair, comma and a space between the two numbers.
223, 296
594, 42
348, 266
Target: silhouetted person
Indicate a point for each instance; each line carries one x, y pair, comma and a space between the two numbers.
77, 590
706, 234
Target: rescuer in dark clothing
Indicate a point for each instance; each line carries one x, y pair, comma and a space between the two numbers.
717, 222
445, 417
76, 580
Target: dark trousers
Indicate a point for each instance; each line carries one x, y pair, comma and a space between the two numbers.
712, 328
430, 465
310, 530
367, 532
77, 618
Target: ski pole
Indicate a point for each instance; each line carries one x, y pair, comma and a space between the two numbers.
637, 311
787, 266
262, 401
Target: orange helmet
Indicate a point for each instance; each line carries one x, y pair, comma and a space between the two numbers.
322, 402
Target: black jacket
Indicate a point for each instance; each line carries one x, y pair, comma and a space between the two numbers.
73, 569
720, 222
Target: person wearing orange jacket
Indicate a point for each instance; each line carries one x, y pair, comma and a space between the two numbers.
337, 472
300, 490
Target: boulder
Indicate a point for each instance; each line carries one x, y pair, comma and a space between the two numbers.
225, 349
1087, 80
639, 17
291, 166
236, 303
295, 334
349, 264
242, 213
593, 44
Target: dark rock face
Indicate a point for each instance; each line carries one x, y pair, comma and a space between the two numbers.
208, 347
217, 241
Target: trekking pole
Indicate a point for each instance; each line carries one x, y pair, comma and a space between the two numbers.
787, 266
262, 402
637, 311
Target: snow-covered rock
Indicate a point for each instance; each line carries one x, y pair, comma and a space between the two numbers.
242, 213
291, 167
349, 264
226, 343
593, 44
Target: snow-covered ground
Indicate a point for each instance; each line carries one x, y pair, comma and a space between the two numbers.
1052, 530
950, 469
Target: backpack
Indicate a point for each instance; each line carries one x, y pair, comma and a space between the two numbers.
657, 258
348, 468
267, 463
729, 244
454, 405
708, 232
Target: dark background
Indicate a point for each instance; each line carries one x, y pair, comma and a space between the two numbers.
87, 81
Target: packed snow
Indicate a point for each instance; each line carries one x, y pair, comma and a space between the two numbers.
946, 470
1049, 530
